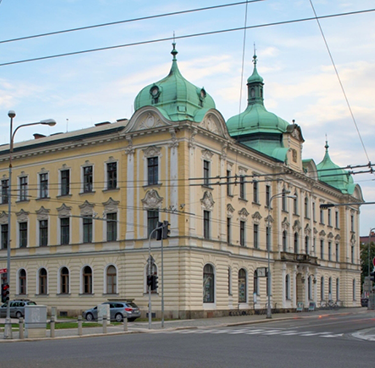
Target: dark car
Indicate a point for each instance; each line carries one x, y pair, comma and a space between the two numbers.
117, 310
364, 302
17, 308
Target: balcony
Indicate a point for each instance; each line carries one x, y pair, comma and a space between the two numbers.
298, 258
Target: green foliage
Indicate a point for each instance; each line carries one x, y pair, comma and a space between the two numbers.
365, 260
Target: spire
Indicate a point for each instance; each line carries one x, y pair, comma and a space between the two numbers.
174, 52
255, 84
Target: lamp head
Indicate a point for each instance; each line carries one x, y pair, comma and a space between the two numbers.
11, 114
49, 122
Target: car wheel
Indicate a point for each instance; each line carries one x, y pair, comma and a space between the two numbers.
18, 315
89, 317
118, 317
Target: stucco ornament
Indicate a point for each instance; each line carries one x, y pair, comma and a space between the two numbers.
207, 201
152, 199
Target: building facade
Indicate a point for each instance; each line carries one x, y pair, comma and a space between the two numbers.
84, 204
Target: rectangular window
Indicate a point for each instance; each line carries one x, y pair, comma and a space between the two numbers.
43, 185
152, 170
43, 233
268, 195
229, 192
23, 188
321, 216
4, 191
329, 251
206, 224
255, 192
256, 236
322, 249
337, 253
65, 182
112, 175
228, 230
352, 223
242, 187
206, 172
152, 222
87, 179
352, 253
22, 226
337, 219
268, 237
4, 236
64, 230
87, 229
313, 212
111, 226
242, 233
284, 201
329, 217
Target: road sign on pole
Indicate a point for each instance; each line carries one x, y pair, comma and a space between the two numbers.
3, 270
373, 262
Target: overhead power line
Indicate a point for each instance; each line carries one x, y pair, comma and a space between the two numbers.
128, 21
201, 34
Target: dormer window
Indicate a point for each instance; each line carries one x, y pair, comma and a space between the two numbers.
202, 96
252, 93
155, 93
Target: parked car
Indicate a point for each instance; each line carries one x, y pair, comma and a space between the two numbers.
364, 302
117, 310
17, 308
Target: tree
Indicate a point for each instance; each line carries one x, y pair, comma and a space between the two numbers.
365, 258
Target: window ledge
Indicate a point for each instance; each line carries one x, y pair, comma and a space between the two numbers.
86, 294
256, 203
23, 200
207, 187
111, 190
63, 195
243, 199
88, 192
156, 185
42, 198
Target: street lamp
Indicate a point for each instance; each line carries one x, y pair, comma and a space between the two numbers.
50, 122
283, 193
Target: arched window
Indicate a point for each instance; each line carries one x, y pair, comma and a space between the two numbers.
42, 281
64, 280
330, 288
22, 282
287, 287
337, 289
283, 203
242, 286
296, 243
285, 245
307, 245
208, 284
354, 290
87, 280
256, 283
111, 280
307, 207
295, 203
309, 288
322, 288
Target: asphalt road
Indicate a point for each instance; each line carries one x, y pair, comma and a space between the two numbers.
315, 342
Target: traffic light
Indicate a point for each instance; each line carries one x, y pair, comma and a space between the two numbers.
5, 293
165, 230
154, 282
159, 230
149, 280
372, 276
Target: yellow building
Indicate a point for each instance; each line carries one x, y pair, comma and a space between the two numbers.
85, 202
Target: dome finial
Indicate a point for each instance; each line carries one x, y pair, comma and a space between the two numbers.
326, 146
255, 56
174, 52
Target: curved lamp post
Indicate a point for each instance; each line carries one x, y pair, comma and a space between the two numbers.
285, 192
50, 122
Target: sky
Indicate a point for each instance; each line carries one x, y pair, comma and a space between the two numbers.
301, 82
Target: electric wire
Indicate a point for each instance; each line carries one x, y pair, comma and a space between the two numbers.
339, 79
192, 35
127, 21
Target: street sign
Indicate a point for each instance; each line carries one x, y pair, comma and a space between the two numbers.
3, 270
373, 262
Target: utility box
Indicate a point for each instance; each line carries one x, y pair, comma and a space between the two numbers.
35, 321
103, 310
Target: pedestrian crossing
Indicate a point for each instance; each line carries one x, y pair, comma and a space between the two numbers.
252, 331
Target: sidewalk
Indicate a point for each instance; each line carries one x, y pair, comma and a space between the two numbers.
143, 327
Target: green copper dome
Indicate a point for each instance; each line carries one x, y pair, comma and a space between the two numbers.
256, 127
175, 97
332, 174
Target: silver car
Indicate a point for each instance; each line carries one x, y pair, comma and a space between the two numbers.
17, 308
117, 311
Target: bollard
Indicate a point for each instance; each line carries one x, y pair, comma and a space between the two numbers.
104, 324
125, 323
20, 328
79, 325
52, 326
